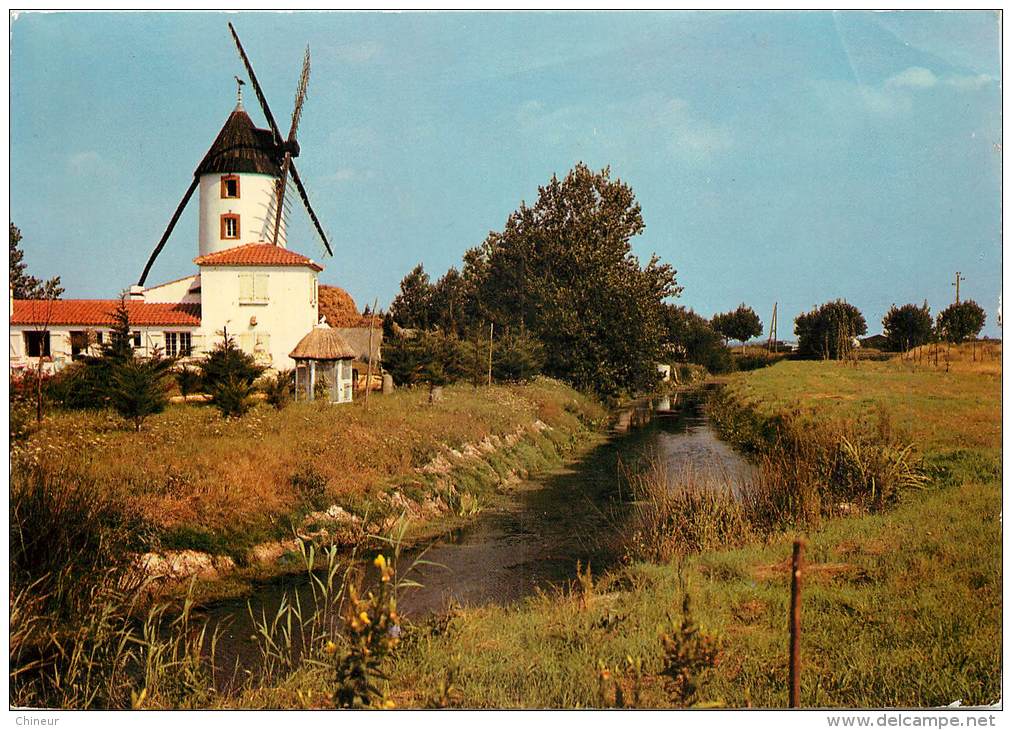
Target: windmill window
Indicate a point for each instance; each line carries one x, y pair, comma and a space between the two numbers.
230, 186
229, 226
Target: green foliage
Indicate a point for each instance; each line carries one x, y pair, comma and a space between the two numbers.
693, 339
188, 380
959, 322
140, 388
233, 396
228, 375
280, 389
411, 308
741, 324
434, 358
25, 286
689, 655
907, 327
373, 629
517, 358
827, 332
90, 382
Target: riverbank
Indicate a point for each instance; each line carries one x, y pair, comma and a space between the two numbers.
225, 501
902, 605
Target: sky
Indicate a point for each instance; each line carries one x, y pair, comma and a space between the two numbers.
789, 157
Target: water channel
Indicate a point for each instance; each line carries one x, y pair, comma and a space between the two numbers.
534, 539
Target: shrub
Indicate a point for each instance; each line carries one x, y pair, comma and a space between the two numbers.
517, 358
279, 389
228, 375
188, 380
139, 388
232, 396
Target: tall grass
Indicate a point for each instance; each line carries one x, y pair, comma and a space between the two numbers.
802, 474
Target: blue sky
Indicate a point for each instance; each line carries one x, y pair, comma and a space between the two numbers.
790, 157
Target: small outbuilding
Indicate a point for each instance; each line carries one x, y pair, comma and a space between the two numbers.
323, 358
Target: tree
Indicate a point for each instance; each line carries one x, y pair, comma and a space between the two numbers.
961, 321
741, 324
907, 327
517, 358
139, 388
228, 375
23, 285
828, 331
188, 380
563, 270
411, 308
691, 338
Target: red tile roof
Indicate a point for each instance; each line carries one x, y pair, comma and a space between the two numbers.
99, 313
256, 254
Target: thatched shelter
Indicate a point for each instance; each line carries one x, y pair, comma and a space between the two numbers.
323, 356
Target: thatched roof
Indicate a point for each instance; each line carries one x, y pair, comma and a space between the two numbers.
322, 343
358, 338
340, 310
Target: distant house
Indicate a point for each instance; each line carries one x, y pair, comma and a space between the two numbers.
878, 342
358, 339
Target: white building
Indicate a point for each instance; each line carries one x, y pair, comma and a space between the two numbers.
263, 295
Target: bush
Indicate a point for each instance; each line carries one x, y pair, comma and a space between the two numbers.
828, 331
517, 358
435, 358
692, 338
279, 389
228, 375
139, 388
188, 380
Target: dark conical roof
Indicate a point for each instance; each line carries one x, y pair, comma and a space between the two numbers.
241, 147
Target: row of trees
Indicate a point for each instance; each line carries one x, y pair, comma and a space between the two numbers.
911, 326
829, 331
560, 276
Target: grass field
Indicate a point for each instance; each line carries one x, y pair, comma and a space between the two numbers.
901, 608
203, 482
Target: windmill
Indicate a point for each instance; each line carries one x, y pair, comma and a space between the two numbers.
282, 151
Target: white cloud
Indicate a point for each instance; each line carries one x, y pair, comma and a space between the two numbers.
667, 122
969, 83
85, 162
915, 77
356, 52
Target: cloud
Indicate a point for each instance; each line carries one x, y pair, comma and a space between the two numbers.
85, 162
969, 83
347, 174
356, 52
667, 123
915, 77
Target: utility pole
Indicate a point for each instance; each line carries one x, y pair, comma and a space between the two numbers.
771, 343
368, 377
956, 284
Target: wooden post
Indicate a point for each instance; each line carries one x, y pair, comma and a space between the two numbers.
795, 624
491, 329
312, 380
368, 376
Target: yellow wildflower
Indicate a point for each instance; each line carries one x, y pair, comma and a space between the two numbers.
380, 562
388, 705
364, 618
330, 648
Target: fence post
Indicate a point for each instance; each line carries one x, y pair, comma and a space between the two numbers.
795, 624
